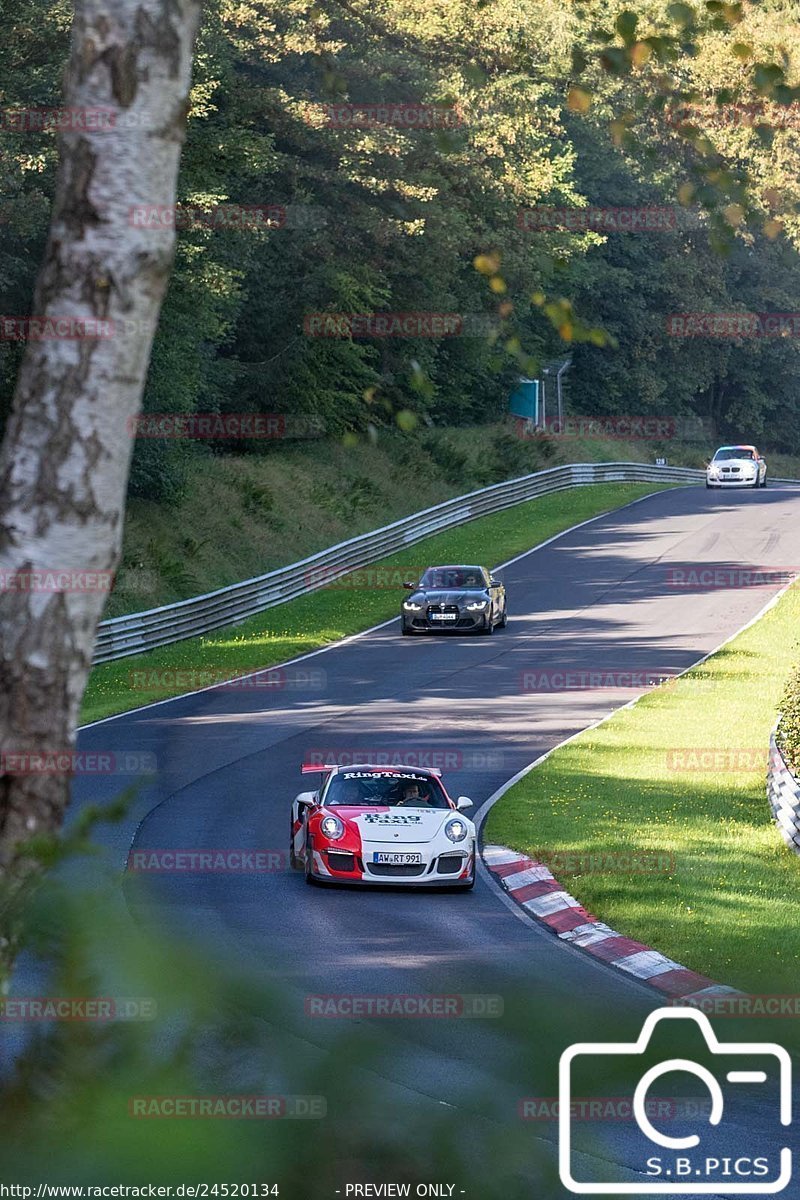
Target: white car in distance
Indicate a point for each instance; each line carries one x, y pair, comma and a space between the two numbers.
736, 466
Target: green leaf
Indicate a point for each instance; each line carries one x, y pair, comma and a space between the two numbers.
681, 14
625, 26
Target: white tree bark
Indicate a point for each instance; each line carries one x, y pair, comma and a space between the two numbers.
65, 457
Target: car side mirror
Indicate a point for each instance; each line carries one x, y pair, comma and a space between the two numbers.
410, 587
495, 582
464, 802
307, 799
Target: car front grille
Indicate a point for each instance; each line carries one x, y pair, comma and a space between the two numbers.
389, 870
462, 620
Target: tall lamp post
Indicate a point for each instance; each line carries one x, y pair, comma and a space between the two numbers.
546, 373
564, 367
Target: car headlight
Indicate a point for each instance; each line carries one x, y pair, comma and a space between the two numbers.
456, 830
477, 605
713, 472
410, 607
332, 828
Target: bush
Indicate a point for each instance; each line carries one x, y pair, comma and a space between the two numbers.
789, 727
452, 462
159, 470
514, 455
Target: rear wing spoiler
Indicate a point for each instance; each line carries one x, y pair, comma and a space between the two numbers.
319, 768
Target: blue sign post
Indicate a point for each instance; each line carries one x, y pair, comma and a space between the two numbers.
524, 401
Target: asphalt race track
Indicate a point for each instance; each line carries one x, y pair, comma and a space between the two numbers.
599, 598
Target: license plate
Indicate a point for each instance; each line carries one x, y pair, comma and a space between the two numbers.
396, 858
443, 616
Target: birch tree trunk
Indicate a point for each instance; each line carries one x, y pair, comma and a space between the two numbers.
66, 454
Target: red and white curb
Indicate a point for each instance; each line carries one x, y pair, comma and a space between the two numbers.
533, 886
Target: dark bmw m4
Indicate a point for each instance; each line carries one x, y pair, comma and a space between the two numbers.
466, 599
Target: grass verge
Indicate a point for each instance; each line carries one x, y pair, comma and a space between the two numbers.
332, 613
729, 904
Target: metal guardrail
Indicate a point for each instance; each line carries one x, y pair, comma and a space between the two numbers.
139, 632
783, 793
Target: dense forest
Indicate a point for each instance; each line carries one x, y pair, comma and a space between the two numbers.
393, 156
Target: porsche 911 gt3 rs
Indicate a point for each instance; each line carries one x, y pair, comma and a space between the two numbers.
379, 825
465, 599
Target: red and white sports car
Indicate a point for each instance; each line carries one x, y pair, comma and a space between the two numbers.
369, 824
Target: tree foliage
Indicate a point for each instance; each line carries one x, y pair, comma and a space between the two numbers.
692, 108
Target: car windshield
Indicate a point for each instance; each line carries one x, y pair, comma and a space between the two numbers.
733, 452
395, 789
453, 577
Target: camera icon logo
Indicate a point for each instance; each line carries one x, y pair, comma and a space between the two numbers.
678, 1171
